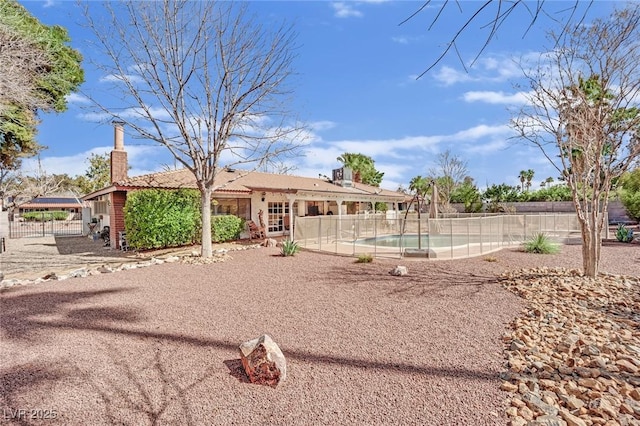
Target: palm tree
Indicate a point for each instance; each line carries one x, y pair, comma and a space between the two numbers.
523, 178
419, 187
363, 168
529, 177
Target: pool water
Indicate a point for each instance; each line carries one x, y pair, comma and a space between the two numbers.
411, 241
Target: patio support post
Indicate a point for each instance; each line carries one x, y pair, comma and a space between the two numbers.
291, 199
339, 233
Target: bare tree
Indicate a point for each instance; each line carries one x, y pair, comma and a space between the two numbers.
449, 173
279, 167
583, 115
203, 79
21, 186
20, 58
492, 15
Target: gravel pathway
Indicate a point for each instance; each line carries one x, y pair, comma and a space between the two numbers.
159, 345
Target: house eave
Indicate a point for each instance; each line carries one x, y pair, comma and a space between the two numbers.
100, 192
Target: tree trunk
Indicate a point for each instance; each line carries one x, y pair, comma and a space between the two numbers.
205, 198
591, 242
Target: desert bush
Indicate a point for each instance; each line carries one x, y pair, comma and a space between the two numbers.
289, 248
624, 234
541, 244
364, 258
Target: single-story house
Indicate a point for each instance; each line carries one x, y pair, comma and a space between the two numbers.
242, 193
54, 202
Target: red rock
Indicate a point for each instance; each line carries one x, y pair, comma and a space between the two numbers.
263, 361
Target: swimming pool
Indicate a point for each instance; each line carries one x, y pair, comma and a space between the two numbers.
427, 241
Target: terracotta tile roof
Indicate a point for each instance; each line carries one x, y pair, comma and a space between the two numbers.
242, 181
172, 179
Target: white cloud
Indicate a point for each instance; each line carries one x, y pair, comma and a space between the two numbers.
114, 78
344, 10
94, 117
405, 39
480, 131
349, 9
142, 159
319, 126
491, 147
129, 113
490, 97
494, 69
74, 98
413, 78
449, 76
322, 155
389, 147
393, 171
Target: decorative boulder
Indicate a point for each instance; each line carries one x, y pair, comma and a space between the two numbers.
399, 271
269, 242
263, 361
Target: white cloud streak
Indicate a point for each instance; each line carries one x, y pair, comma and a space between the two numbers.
495, 69
496, 98
344, 10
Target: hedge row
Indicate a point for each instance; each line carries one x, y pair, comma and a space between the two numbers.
157, 218
45, 216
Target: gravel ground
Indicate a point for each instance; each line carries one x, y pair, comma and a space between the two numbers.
159, 345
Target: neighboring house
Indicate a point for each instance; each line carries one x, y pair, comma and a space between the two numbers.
53, 202
241, 193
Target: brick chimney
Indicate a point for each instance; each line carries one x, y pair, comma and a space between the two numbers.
119, 164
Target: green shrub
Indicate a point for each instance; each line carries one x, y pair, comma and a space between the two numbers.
540, 243
624, 234
289, 248
45, 216
364, 258
381, 207
161, 218
552, 193
226, 228
630, 193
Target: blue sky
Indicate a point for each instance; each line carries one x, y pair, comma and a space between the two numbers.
357, 90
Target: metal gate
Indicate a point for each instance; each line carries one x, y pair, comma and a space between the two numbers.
43, 225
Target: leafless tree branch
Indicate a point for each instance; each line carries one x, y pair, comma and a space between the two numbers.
501, 11
212, 90
583, 114
20, 61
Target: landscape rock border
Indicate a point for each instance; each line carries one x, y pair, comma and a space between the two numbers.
574, 353
220, 255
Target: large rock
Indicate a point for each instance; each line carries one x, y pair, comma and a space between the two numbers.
263, 361
399, 271
269, 242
